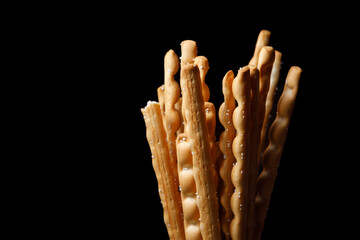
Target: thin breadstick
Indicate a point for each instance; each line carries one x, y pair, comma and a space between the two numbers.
266, 60
188, 188
274, 79
225, 143
171, 97
178, 107
241, 150
210, 116
188, 52
203, 65
168, 188
272, 155
262, 40
195, 126
254, 147
161, 99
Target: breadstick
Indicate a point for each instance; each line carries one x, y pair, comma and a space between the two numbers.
241, 146
168, 189
188, 52
272, 155
195, 126
188, 188
225, 143
262, 40
171, 97
254, 147
178, 107
203, 65
160, 94
266, 60
274, 79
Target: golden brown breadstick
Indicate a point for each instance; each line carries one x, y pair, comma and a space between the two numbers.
254, 147
203, 65
262, 40
195, 127
188, 188
241, 149
171, 97
272, 155
178, 107
274, 79
168, 188
266, 60
225, 143
188, 52
160, 94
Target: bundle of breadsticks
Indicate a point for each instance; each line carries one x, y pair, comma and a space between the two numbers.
209, 188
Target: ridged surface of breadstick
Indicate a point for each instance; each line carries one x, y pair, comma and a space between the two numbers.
188, 188
272, 155
168, 189
195, 126
262, 40
225, 143
241, 149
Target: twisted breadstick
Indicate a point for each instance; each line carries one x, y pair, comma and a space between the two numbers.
272, 155
274, 79
254, 147
262, 40
168, 188
241, 146
203, 65
195, 126
171, 97
225, 143
188, 188
266, 60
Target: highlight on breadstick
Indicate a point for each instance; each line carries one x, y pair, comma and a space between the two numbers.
196, 128
262, 41
168, 188
241, 149
188, 188
272, 155
225, 143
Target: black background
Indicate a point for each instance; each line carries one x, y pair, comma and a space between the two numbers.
114, 65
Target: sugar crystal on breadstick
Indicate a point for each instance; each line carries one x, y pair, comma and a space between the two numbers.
241, 149
195, 120
168, 188
272, 155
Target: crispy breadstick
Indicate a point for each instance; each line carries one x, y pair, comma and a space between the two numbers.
254, 147
171, 97
274, 79
188, 188
178, 107
266, 60
161, 99
188, 52
262, 40
168, 189
195, 126
203, 65
225, 143
272, 155
241, 149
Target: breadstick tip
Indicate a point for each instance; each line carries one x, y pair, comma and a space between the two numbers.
171, 62
293, 77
